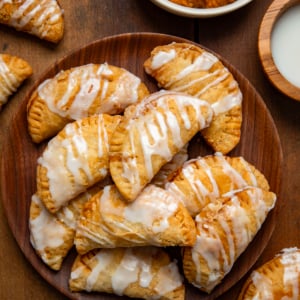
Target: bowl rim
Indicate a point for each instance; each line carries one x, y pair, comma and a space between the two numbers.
276, 9
199, 12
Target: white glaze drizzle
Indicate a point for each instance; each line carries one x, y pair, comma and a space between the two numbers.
168, 279
234, 220
162, 58
44, 14
104, 259
152, 208
131, 269
209, 192
46, 231
93, 81
290, 261
62, 186
204, 62
155, 128
8, 82
5, 2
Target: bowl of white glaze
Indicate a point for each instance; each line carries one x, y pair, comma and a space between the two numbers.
191, 12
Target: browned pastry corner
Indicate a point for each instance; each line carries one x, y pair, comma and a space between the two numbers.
43, 18
13, 71
278, 278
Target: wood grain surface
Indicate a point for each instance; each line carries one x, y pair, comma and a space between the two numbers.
233, 36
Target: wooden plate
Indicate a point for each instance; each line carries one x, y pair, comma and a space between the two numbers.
260, 145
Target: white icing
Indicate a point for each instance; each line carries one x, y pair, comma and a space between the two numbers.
45, 231
227, 103
202, 83
5, 2
155, 127
70, 156
103, 258
8, 82
126, 273
168, 279
151, 210
263, 285
291, 265
162, 58
152, 214
235, 220
43, 15
93, 89
208, 190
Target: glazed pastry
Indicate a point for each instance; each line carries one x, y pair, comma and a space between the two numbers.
74, 160
204, 179
78, 93
13, 71
278, 278
151, 133
43, 18
161, 178
52, 235
224, 230
190, 69
51, 238
155, 218
141, 272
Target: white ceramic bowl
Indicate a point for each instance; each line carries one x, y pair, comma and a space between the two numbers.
190, 12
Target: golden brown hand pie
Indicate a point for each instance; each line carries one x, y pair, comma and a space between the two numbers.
278, 278
80, 92
141, 272
13, 71
155, 218
190, 69
204, 179
151, 133
74, 160
42, 18
224, 230
52, 235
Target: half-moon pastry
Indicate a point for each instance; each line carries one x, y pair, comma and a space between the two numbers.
224, 230
52, 235
190, 69
204, 179
141, 272
80, 92
74, 160
13, 71
278, 278
150, 134
155, 218
51, 238
43, 18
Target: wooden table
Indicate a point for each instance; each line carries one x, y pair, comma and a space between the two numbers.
233, 36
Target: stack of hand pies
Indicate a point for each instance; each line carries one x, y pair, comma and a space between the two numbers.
115, 178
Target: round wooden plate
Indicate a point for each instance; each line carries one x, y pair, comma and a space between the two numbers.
260, 145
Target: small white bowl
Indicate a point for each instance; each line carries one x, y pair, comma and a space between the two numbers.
190, 12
